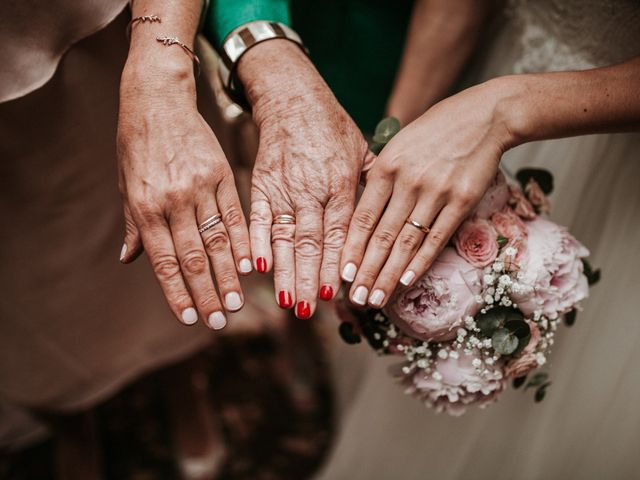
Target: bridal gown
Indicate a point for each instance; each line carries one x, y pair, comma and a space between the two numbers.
588, 427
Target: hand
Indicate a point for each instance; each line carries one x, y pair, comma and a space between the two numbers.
434, 171
308, 166
174, 176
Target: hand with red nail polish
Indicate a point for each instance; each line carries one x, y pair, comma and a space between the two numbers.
308, 166
284, 299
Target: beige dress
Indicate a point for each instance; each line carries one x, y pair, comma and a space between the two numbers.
75, 324
588, 427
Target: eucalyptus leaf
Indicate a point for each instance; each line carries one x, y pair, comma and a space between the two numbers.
570, 317
537, 380
376, 147
386, 129
541, 392
502, 241
348, 334
593, 276
541, 176
519, 381
495, 318
522, 331
504, 342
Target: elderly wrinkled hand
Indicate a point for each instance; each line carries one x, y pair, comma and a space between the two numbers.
306, 171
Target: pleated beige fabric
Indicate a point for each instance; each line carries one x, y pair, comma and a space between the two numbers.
588, 427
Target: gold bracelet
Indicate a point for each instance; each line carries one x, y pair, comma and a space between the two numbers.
168, 41
142, 19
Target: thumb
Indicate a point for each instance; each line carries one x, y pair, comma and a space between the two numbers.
369, 159
132, 247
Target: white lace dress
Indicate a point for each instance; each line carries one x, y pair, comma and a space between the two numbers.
588, 427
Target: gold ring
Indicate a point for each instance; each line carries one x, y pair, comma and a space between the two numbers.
284, 220
210, 222
419, 226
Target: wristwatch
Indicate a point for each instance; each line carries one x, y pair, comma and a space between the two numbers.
238, 42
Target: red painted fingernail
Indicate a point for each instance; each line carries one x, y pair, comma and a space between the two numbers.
326, 293
261, 264
303, 310
284, 299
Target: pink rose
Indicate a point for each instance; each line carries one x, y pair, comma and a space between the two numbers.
553, 267
455, 384
510, 226
495, 198
477, 242
520, 204
437, 303
537, 197
527, 360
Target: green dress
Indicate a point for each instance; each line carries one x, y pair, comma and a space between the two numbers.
355, 44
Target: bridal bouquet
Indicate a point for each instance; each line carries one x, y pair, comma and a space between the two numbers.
488, 308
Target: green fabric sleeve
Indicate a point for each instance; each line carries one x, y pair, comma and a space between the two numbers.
226, 15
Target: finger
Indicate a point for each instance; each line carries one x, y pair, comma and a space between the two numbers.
158, 244
235, 223
284, 262
132, 246
365, 218
218, 247
404, 249
308, 257
260, 230
336, 223
442, 230
194, 264
380, 245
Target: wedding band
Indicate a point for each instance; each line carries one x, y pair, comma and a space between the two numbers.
418, 225
210, 223
284, 220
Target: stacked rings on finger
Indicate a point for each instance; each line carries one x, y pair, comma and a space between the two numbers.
210, 223
284, 220
418, 225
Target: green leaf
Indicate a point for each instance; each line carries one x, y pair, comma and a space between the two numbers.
519, 381
386, 129
502, 241
538, 379
570, 317
521, 330
541, 176
376, 147
495, 318
541, 392
348, 334
504, 342
593, 276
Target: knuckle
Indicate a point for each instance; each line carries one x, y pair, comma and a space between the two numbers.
216, 241
233, 217
365, 220
408, 241
209, 301
384, 239
334, 238
282, 233
194, 262
165, 267
437, 237
367, 275
308, 246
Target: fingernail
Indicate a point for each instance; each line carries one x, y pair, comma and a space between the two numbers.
303, 310
326, 293
123, 251
360, 295
233, 301
407, 278
189, 316
217, 321
284, 299
245, 266
261, 264
376, 298
349, 272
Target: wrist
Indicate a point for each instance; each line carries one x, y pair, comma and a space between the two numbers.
275, 70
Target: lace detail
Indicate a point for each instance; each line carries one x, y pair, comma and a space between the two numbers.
575, 34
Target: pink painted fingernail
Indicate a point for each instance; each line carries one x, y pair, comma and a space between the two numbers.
189, 316
360, 295
217, 320
407, 278
376, 298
